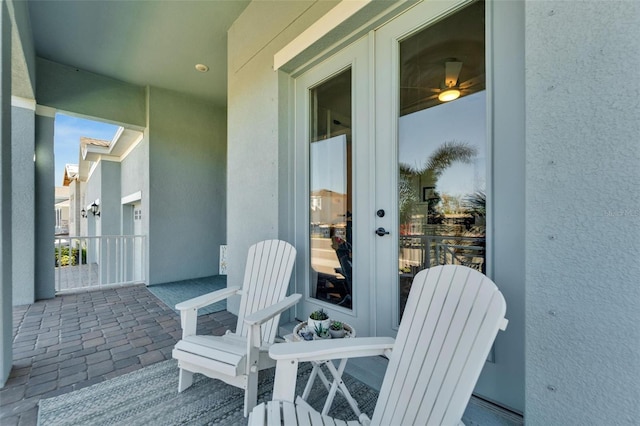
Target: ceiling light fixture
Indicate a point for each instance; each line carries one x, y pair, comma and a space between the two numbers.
202, 67
449, 94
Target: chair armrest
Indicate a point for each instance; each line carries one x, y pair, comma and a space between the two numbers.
264, 315
189, 308
319, 350
207, 299
289, 355
254, 322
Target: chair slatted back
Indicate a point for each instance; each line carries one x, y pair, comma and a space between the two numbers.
266, 278
451, 319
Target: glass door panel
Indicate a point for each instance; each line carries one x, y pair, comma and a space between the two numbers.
330, 190
442, 147
333, 165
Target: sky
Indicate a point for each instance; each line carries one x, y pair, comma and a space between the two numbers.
419, 134
463, 120
66, 139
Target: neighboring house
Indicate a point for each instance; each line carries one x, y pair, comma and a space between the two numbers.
71, 181
551, 84
62, 216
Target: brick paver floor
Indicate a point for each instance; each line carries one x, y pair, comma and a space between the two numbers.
76, 340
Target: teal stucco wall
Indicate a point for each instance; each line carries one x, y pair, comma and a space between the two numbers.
583, 213
187, 186
23, 203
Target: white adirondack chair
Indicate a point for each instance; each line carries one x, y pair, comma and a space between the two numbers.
451, 319
236, 358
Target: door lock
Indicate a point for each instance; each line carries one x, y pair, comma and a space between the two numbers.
381, 231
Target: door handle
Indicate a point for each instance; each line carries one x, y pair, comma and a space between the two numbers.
381, 231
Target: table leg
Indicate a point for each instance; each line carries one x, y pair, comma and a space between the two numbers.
338, 384
312, 378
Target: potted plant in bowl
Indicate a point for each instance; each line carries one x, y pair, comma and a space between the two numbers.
318, 317
336, 329
321, 332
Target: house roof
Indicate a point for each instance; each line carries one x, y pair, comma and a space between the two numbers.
61, 194
93, 150
70, 173
91, 141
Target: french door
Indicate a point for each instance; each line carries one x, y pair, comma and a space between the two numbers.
333, 154
395, 172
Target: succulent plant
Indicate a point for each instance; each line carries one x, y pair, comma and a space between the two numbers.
319, 315
336, 325
321, 331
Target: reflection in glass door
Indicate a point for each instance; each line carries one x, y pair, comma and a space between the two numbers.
330, 191
441, 147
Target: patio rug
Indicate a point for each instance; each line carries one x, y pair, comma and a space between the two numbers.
179, 291
150, 396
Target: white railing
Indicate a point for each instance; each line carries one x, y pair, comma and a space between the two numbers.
425, 251
89, 262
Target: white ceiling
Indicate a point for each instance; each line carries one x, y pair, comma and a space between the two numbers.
149, 42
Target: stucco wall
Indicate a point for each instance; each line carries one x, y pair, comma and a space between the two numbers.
93, 191
6, 318
44, 201
187, 186
256, 102
23, 74
110, 206
583, 213
104, 185
135, 169
23, 202
94, 95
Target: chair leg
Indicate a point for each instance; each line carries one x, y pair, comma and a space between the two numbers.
250, 393
185, 379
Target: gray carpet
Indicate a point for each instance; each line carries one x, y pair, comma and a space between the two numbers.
150, 396
179, 291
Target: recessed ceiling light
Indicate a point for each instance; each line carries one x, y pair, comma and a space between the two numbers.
202, 67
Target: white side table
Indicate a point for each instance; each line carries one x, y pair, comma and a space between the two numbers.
337, 385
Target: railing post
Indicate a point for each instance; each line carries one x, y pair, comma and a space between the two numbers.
90, 267
118, 278
143, 253
108, 262
58, 253
124, 257
79, 266
99, 256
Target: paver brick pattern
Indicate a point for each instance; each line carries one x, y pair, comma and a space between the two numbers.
77, 340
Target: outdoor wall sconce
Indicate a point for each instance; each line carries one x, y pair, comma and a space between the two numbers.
83, 213
95, 209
